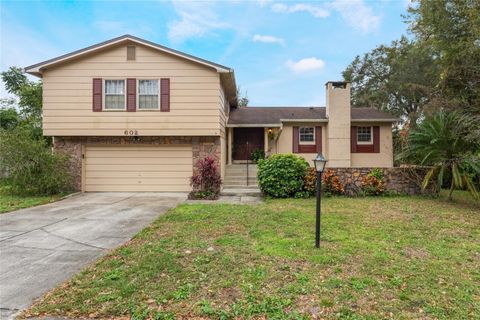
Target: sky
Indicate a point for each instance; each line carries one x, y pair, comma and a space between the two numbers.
282, 52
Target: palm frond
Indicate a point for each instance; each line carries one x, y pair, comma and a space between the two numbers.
427, 178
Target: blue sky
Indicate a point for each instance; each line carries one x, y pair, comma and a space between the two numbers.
282, 52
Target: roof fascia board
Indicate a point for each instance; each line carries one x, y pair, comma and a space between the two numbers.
304, 120
375, 120
36, 68
276, 125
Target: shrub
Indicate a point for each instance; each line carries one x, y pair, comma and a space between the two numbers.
310, 181
206, 179
373, 184
332, 184
281, 175
30, 167
257, 154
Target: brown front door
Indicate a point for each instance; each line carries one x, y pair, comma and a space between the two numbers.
245, 141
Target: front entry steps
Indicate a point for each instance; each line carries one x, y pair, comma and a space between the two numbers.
235, 182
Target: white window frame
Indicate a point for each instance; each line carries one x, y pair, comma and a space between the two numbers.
138, 95
104, 87
371, 136
313, 142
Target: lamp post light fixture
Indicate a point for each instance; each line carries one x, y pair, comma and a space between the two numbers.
319, 163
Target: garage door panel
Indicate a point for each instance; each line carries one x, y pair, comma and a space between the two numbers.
126, 188
134, 174
140, 161
138, 168
137, 181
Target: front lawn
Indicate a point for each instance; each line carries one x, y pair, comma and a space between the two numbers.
9, 202
399, 257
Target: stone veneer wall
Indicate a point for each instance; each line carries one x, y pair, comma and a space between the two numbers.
402, 180
201, 147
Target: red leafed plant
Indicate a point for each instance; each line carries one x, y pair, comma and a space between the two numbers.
332, 183
206, 179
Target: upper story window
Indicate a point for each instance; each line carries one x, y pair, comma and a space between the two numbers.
307, 135
148, 94
364, 135
114, 95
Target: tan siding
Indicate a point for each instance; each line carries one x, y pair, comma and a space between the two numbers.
384, 159
138, 168
285, 140
194, 96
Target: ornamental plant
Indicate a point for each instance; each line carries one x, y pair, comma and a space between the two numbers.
332, 183
373, 183
282, 175
257, 154
310, 181
206, 179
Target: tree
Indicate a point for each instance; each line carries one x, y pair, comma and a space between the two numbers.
28, 94
395, 78
441, 141
242, 99
9, 118
28, 98
451, 28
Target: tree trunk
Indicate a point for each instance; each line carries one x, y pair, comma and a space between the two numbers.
451, 190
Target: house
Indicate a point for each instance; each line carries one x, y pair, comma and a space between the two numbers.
136, 116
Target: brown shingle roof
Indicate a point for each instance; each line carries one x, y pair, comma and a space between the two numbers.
275, 115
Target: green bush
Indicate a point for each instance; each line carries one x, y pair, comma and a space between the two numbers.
282, 175
29, 166
257, 154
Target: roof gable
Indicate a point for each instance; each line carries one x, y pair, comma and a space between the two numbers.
36, 69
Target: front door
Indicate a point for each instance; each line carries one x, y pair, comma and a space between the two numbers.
245, 141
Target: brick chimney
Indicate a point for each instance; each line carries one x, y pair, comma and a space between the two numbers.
339, 123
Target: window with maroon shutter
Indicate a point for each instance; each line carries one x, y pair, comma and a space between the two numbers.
353, 139
131, 94
97, 95
165, 95
365, 139
318, 139
376, 139
295, 140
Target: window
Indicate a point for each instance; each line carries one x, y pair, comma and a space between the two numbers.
114, 95
148, 95
307, 135
364, 135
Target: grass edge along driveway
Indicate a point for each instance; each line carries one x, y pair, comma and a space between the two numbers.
398, 257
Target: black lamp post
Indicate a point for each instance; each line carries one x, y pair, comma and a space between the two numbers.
319, 162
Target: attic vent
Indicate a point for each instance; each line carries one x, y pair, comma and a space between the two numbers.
130, 52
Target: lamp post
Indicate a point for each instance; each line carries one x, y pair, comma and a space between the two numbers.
319, 163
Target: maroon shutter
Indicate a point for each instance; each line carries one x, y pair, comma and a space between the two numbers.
353, 139
165, 95
131, 95
97, 95
318, 138
376, 139
295, 139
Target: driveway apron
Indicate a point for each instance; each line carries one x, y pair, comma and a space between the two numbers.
43, 246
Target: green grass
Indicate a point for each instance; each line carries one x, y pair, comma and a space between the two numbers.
9, 202
391, 257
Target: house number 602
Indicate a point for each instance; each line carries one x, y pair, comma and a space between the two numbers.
130, 132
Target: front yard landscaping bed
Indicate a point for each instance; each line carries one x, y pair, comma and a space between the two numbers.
389, 257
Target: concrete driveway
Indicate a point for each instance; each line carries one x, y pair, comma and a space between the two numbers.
43, 246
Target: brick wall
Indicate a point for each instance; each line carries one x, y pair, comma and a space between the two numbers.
401, 180
201, 147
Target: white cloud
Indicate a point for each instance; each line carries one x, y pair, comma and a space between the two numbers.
316, 11
196, 19
268, 39
357, 14
305, 65
263, 3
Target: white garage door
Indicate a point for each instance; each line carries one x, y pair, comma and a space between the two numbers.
138, 168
